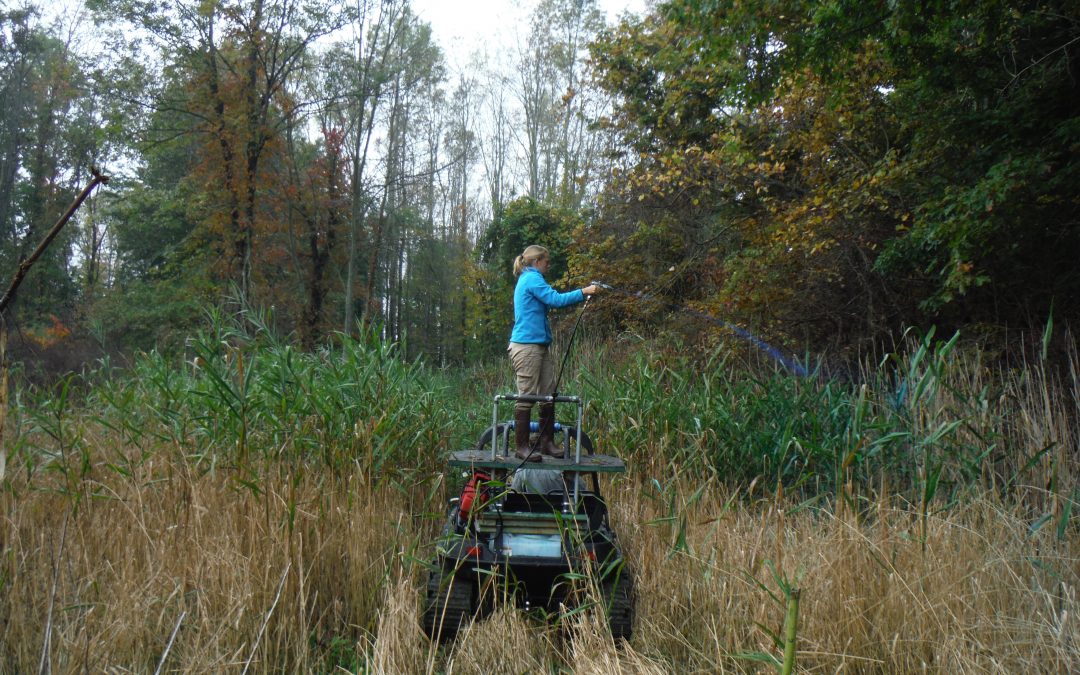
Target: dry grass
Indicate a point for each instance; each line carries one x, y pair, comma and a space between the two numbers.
116, 559
507, 642
987, 595
399, 645
143, 550
984, 597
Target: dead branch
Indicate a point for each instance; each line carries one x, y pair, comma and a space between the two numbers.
266, 619
172, 637
46, 664
26, 264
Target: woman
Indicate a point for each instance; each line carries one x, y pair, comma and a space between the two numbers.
529, 347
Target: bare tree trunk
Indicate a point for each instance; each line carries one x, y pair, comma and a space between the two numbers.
533, 100
369, 93
496, 151
380, 224
255, 142
9, 159
93, 254
221, 133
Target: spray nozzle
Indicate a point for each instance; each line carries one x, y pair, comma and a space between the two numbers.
601, 284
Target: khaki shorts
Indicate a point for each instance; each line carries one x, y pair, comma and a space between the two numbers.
533, 369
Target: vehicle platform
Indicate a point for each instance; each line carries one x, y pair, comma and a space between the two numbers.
588, 464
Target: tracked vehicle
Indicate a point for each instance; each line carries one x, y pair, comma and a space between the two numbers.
505, 539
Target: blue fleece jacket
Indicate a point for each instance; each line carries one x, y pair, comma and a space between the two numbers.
532, 299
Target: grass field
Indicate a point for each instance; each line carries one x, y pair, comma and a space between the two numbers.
257, 509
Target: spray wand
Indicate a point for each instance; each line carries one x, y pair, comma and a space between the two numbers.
562, 368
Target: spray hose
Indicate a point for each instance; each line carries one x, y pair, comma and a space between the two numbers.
570, 344
558, 380
774, 353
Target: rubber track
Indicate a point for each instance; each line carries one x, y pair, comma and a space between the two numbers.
452, 606
620, 597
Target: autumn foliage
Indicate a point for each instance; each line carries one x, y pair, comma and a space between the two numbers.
831, 173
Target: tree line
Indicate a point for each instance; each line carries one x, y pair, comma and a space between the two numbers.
832, 172
824, 173
317, 158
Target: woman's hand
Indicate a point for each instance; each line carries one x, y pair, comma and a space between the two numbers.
591, 289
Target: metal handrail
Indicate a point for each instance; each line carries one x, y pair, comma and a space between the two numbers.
538, 398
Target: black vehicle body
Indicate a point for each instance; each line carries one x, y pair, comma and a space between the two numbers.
540, 551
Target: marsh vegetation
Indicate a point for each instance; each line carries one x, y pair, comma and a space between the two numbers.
255, 508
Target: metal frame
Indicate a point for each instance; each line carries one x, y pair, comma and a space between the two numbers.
534, 398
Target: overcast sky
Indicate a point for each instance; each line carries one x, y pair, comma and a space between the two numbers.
467, 26
461, 27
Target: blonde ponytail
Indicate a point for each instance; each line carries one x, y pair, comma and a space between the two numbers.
529, 256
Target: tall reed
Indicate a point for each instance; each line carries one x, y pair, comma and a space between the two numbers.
250, 505
931, 418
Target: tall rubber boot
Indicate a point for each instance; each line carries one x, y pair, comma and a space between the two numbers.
547, 431
524, 450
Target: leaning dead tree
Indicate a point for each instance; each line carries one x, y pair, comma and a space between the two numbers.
26, 264
20, 274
